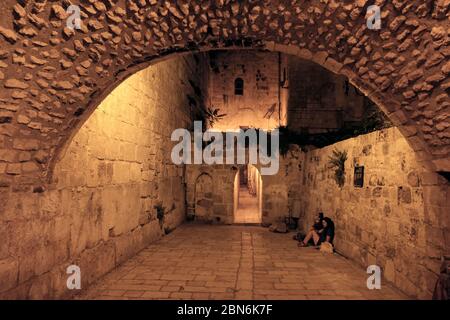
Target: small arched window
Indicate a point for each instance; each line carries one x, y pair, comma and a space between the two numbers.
239, 87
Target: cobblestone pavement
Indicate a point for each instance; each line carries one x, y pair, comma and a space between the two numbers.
234, 262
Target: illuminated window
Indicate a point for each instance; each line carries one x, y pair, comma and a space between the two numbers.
239, 87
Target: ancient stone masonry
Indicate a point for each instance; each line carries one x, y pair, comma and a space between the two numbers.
210, 192
53, 77
397, 220
400, 212
113, 192
320, 101
260, 105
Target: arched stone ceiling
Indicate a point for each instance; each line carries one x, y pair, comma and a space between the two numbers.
53, 77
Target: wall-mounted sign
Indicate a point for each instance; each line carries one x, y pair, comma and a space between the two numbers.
358, 181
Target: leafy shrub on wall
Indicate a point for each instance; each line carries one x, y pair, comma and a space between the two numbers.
337, 162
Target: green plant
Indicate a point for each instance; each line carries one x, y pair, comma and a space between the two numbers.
212, 115
373, 121
337, 162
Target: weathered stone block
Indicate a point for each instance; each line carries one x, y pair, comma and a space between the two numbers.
9, 269
96, 262
14, 168
26, 144
29, 167
389, 271
8, 155
127, 245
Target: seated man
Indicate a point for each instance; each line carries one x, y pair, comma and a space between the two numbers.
324, 235
318, 222
316, 226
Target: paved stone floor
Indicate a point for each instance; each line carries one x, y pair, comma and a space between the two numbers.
234, 262
247, 211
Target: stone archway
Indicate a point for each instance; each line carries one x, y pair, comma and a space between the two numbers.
248, 195
203, 197
54, 77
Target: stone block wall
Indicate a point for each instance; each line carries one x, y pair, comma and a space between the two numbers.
260, 105
99, 209
399, 220
277, 194
281, 191
404, 68
320, 101
222, 193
